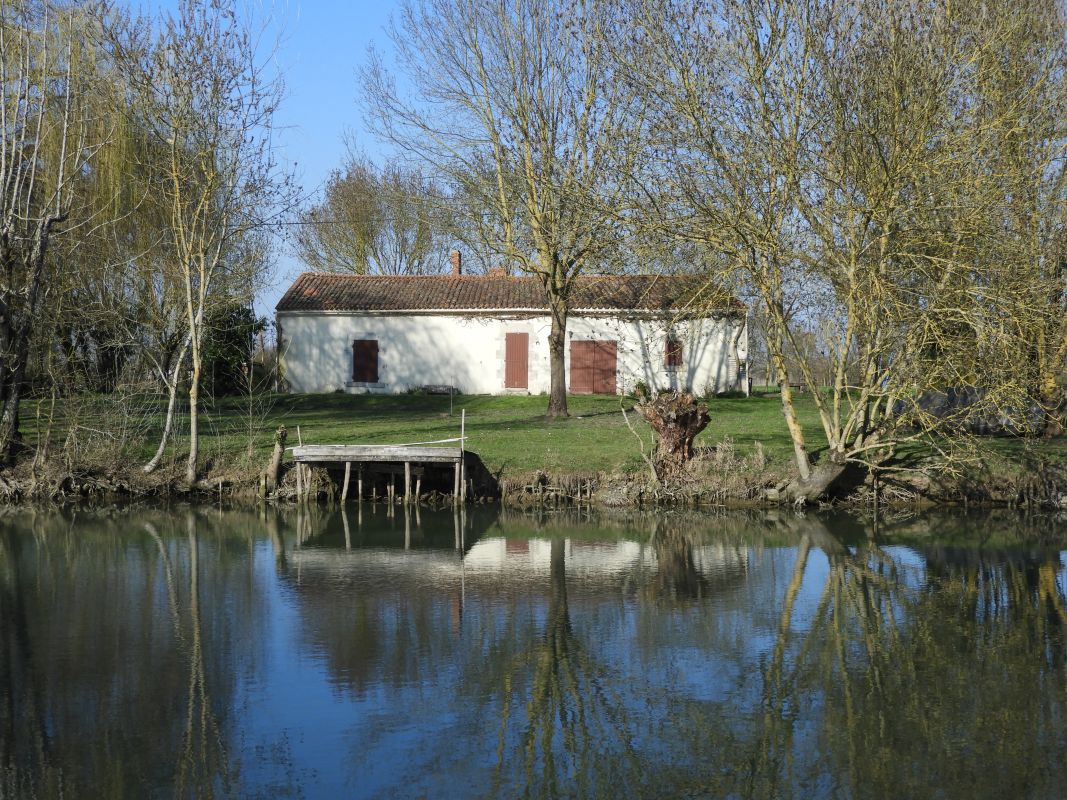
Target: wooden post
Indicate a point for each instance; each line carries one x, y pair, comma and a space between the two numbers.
299, 469
348, 532
418, 488
348, 477
359, 485
276, 460
407, 482
455, 486
463, 456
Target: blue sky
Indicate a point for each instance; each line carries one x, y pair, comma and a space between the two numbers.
321, 45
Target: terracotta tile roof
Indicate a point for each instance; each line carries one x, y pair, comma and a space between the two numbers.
320, 291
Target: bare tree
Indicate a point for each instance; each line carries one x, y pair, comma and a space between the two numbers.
375, 221
206, 92
515, 104
1030, 164
845, 150
47, 141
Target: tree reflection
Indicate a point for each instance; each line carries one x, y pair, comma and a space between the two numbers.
557, 711
132, 697
24, 743
677, 576
922, 678
202, 765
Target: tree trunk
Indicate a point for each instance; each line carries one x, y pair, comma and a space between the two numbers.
796, 433
817, 483
833, 473
677, 418
557, 348
194, 437
17, 342
1050, 396
172, 402
735, 356
276, 459
9, 419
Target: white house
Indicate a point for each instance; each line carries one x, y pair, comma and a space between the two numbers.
488, 334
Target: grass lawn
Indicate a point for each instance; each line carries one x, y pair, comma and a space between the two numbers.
510, 433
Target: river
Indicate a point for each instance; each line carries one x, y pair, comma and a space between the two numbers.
197, 652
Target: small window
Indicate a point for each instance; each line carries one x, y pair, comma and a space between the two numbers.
365, 361
672, 357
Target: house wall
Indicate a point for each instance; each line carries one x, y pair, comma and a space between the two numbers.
468, 351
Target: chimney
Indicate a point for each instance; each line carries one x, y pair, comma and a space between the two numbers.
457, 262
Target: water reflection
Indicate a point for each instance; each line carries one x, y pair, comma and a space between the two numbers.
316, 652
118, 660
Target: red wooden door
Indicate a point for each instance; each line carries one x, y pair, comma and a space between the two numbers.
516, 360
593, 367
582, 358
604, 368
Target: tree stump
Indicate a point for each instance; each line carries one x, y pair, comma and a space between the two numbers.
676, 418
276, 460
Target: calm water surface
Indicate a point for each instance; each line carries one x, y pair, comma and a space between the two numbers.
200, 653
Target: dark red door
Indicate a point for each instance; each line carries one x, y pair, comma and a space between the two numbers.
604, 368
516, 360
593, 367
582, 357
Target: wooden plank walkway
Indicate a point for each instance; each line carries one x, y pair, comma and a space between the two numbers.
394, 453
408, 454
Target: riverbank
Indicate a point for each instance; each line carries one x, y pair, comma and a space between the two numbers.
595, 457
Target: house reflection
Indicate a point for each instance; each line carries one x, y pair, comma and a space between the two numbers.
389, 602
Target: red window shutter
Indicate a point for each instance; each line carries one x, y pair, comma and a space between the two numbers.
365, 361
672, 353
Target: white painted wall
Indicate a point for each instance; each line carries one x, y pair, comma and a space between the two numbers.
468, 351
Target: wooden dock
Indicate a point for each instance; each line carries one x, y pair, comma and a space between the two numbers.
362, 453
407, 456
417, 454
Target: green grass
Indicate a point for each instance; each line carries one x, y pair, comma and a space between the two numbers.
511, 434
